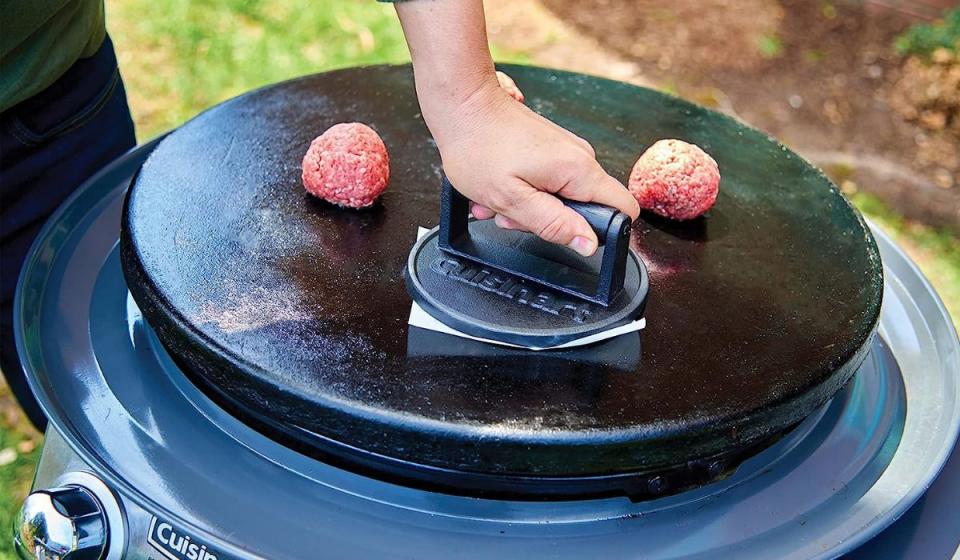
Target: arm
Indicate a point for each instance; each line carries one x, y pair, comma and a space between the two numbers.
501, 155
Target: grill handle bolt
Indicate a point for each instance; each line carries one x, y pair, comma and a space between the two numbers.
657, 485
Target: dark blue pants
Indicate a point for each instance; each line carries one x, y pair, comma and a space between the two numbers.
49, 145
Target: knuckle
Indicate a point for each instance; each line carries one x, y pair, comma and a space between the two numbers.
572, 165
588, 147
554, 230
501, 200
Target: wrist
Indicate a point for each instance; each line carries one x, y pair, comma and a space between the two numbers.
452, 83
451, 105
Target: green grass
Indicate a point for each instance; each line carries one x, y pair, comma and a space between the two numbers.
180, 56
924, 38
15, 476
935, 250
770, 46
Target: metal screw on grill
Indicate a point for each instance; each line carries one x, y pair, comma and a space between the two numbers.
657, 485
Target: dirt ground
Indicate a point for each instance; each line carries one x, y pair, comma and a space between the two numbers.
817, 75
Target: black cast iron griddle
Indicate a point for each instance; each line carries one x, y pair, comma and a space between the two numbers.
292, 313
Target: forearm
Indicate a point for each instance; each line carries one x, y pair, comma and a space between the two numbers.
451, 58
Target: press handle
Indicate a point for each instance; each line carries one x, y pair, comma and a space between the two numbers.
601, 218
611, 226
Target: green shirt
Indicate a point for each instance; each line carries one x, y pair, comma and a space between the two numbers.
41, 39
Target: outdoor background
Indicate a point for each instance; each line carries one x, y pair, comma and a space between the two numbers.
868, 90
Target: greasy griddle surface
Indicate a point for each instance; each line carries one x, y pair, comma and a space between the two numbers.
295, 312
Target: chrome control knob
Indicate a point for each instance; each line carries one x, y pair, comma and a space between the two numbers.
61, 524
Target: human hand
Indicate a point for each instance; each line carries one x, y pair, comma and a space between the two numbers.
514, 164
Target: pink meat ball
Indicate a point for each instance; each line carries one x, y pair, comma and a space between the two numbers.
509, 86
347, 165
675, 179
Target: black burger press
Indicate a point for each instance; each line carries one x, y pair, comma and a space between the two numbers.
510, 286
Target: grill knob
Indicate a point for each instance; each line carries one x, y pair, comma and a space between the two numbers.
61, 524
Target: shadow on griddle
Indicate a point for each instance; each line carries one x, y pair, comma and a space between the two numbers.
710, 227
367, 216
621, 353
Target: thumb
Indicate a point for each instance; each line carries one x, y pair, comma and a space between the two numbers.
543, 214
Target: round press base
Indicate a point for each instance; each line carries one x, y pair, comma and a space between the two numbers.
495, 305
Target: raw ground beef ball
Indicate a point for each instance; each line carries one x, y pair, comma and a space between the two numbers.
675, 179
347, 165
509, 86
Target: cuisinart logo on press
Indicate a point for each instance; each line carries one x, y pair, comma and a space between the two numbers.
510, 287
175, 544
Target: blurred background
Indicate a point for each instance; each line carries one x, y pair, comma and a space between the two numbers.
868, 90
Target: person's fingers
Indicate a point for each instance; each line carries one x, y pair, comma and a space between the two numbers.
481, 212
505, 222
543, 214
599, 187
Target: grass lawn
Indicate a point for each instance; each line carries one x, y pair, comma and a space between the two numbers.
19, 453
935, 250
180, 56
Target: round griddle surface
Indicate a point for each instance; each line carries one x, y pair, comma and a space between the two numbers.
293, 313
